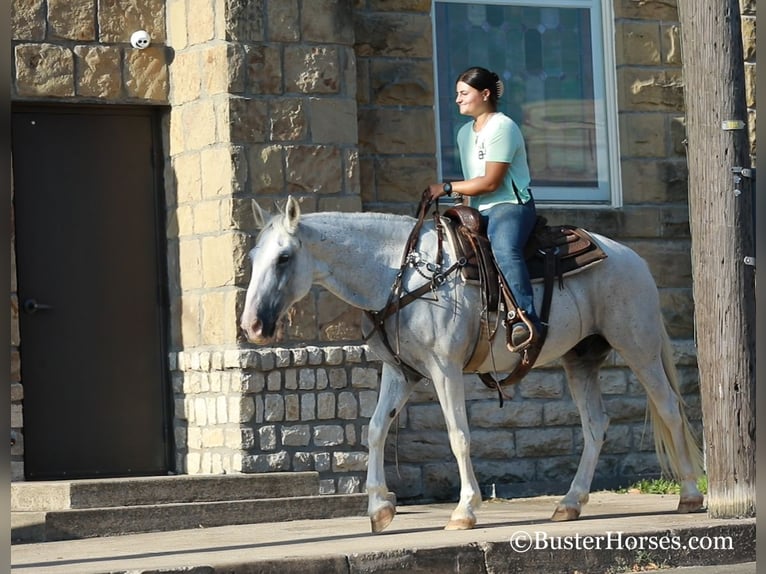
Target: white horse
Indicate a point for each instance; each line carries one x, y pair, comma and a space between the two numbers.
356, 256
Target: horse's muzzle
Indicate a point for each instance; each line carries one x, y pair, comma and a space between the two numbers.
257, 333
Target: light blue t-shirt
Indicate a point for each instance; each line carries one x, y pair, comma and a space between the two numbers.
499, 140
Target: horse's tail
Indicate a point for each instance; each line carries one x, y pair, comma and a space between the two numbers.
667, 450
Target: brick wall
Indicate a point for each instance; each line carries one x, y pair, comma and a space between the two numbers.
331, 101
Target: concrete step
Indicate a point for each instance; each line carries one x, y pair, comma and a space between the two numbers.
66, 510
36, 526
44, 496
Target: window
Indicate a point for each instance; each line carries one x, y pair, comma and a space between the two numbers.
559, 87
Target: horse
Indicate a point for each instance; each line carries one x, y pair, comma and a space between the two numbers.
358, 257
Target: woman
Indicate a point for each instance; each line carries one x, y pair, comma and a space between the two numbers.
493, 158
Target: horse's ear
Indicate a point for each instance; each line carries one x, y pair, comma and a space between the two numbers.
292, 214
259, 216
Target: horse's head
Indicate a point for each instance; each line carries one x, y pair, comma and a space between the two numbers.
281, 273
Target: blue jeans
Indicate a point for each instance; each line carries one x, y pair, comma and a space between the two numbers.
509, 225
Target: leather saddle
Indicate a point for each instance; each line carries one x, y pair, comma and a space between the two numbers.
551, 253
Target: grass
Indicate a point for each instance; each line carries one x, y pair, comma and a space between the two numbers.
662, 486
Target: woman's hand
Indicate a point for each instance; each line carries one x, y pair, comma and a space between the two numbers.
436, 190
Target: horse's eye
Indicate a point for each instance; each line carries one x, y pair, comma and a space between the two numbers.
283, 258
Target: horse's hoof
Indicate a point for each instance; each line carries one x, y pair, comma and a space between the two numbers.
382, 517
565, 513
690, 504
460, 524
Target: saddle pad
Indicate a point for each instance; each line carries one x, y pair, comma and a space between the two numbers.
576, 248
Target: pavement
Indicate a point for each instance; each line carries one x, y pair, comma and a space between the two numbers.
616, 533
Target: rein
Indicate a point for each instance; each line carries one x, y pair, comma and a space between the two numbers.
398, 299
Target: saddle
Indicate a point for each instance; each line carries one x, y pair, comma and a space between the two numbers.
551, 253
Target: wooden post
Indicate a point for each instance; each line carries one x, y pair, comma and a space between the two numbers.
722, 238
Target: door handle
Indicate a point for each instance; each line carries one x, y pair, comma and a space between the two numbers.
31, 306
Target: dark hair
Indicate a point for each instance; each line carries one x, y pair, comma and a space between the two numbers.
482, 79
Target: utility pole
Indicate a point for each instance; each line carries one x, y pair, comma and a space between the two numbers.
721, 210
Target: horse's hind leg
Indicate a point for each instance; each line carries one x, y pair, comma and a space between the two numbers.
675, 443
582, 365
395, 389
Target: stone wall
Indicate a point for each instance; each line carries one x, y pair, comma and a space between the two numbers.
332, 101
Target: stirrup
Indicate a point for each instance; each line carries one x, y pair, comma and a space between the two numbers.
533, 334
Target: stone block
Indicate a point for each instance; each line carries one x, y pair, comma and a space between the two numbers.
223, 170
393, 35
487, 414
44, 70
266, 169
401, 83
200, 21
678, 311
146, 74
368, 400
671, 44
71, 19
642, 89
669, 261
327, 21
287, 121
400, 179
344, 326
190, 259
206, 216
325, 406
292, 408
188, 177
223, 258
96, 77
118, 19
654, 181
316, 169
244, 20
175, 13
543, 442
750, 82
247, 122
496, 444
198, 124
396, 131
542, 385
418, 447
405, 480
638, 43
560, 413
328, 435
748, 37
263, 65
223, 69
646, 9
332, 121
219, 317
274, 408
190, 320
643, 135
625, 409
297, 435
28, 20
283, 21
186, 76
312, 69
337, 321
349, 461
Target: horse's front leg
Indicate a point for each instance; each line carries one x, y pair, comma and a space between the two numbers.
451, 393
394, 391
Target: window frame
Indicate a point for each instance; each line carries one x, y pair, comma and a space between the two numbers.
605, 87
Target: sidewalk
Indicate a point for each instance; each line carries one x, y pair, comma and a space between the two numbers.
615, 533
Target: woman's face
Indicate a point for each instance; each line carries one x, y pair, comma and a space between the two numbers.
469, 100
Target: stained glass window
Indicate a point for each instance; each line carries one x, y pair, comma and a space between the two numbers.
550, 57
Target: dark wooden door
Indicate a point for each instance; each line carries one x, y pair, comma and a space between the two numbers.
89, 252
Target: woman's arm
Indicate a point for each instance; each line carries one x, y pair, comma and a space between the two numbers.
494, 173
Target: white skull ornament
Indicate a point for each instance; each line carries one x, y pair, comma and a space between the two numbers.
140, 39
